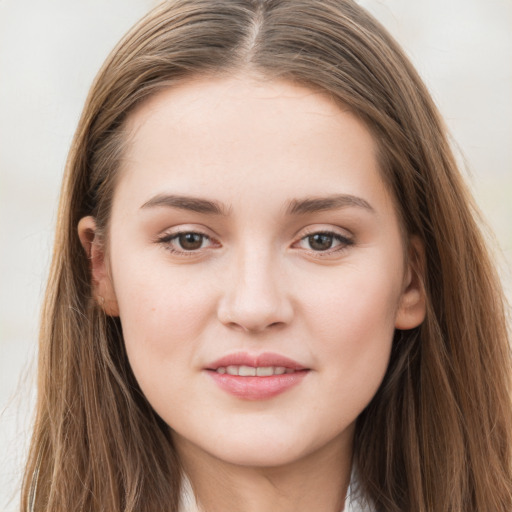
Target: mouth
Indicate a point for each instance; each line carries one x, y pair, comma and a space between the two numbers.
251, 371
258, 377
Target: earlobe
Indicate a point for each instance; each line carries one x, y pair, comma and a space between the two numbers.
412, 307
102, 286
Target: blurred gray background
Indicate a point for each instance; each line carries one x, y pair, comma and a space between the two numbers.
50, 51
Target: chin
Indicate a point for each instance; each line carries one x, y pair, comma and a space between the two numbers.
258, 455
263, 439
265, 447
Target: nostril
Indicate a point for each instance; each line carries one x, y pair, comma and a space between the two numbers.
254, 329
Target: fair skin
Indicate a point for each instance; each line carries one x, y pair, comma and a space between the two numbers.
323, 286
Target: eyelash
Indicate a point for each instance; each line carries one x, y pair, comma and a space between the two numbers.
344, 241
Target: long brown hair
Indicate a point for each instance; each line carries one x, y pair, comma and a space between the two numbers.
438, 434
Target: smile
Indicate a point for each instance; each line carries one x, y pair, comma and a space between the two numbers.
259, 377
251, 371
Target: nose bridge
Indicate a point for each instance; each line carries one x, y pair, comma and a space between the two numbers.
254, 295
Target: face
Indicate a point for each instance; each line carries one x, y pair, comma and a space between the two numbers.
257, 265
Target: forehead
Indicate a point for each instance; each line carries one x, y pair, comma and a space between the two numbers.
254, 106
227, 135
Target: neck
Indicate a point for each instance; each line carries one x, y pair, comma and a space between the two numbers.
318, 481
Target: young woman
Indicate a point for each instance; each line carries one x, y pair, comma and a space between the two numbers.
268, 288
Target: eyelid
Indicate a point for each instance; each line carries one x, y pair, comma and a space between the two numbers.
322, 228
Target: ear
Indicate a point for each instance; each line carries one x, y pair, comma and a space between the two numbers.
412, 307
103, 288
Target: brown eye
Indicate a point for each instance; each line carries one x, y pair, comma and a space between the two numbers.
186, 243
328, 242
190, 241
320, 241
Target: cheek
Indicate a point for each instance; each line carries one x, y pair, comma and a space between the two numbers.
355, 304
162, 318
353, 318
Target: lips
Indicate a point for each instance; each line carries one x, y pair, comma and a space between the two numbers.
256, 361
257, 377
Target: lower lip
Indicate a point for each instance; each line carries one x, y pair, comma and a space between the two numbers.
257, 388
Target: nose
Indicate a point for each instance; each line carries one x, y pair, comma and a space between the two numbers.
255, 296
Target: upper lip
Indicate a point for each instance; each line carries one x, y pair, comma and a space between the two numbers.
256, 361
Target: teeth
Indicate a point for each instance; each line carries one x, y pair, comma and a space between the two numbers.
247, 371
264, 371
232, 370
250, 371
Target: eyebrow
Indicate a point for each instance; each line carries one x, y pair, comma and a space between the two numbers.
294, 207
319, 204
193, 204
